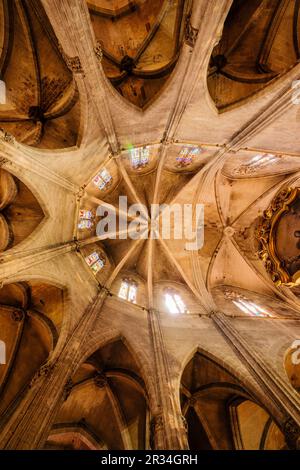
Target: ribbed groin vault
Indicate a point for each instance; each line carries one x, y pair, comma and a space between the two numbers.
113, 338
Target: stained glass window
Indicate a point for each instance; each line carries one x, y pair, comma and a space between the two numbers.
95, 262
139, 157
103, 179
128, 290
174, 302
86, 219
97, 266
187, 156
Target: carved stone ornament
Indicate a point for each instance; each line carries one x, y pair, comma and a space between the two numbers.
191, 33
73, 63
156, 424
6, 136
184, 423
266, 234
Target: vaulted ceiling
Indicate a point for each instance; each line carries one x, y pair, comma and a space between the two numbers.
140, 42
107, 403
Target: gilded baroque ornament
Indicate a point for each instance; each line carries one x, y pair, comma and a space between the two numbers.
266, 235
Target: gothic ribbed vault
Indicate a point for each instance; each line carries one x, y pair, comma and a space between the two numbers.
215, 121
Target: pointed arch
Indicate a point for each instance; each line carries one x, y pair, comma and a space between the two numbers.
131, 38
109, 395
208, 391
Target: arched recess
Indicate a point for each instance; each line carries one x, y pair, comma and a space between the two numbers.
31, 316
141, 42
220, 412
260, 42
20, 212
73, 437
42, 107
106, 402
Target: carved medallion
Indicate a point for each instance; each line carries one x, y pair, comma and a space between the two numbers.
279, 238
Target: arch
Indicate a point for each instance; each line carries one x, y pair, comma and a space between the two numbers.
144, 363
208, 390
259, 44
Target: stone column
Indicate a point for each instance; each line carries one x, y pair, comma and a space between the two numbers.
168, 428
30, 423
283, 402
